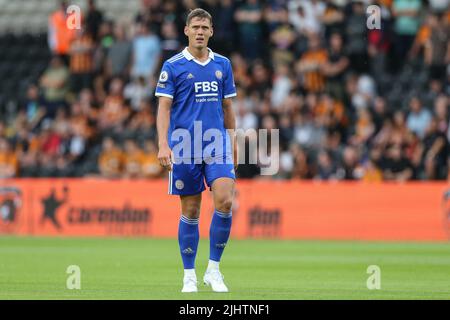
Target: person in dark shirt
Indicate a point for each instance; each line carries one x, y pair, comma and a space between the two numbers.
326, 167
170, 40
356, 36
350, 169
435, 151
224, 37
248, 170
336, 67
396, 166
94, 19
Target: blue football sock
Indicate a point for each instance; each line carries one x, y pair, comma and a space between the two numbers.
219, 233
188, 236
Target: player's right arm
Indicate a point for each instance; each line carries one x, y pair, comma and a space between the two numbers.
162, 125
165, 91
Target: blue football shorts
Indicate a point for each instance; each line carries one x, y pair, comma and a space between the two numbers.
189, 178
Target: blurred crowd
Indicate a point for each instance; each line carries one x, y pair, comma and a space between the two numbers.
351, 102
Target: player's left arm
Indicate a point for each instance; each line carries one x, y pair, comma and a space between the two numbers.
229, 120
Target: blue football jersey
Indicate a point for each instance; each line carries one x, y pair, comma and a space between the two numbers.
197, 89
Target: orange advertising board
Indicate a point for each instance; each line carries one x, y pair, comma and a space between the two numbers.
262, 208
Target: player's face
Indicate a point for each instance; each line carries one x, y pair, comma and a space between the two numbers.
198, 32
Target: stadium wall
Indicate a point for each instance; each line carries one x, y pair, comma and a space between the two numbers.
263, 209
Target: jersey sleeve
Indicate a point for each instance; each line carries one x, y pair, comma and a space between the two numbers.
166, 82
229, 88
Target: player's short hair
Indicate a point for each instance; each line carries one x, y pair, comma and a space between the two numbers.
198, 13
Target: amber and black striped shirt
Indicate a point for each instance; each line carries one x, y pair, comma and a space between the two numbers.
314, 80
82, 62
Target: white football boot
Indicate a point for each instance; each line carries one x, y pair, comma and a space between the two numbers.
189, 284
214, 278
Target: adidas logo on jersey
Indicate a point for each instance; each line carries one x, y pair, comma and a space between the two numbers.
190, 76
188, 251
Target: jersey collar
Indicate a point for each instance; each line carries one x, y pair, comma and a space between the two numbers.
190, 57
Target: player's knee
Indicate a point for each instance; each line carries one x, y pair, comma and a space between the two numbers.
224, 205
191, 212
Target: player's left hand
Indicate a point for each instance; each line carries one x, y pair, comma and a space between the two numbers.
165, 157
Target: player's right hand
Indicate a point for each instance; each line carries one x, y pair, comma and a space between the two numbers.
165, 157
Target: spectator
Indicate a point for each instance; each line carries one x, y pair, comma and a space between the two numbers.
365, 128
249, 17
77, 142
380, 112
407, 21
400, 134
286, 129
8, 160
439, 5
311, 64
333, 19
398, 167
59, 36
240, 71
33, 107
330, 113
245, 118
133, 160
434, 90
434, 152
150, 163
356, 36
372, 171
422, 36
94, 19
248, 169
365, 92
81, 61
146, 53
276, 14
54, 82
142, 123
441, 113
151, 14
170, 42
50, 141
282, 85
326, 167
286, 163
419, 118
301, 169
119, 55
335, 68
223, 40
350, 168
379, 42
282, 38
261, 83
437, 48
308, 132
105, 40
137, 91
105, 37
113, 113
306, 15
111, 159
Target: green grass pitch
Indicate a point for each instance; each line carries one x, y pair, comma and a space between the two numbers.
125, 268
